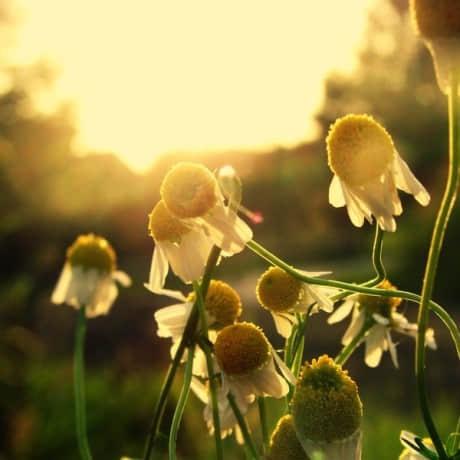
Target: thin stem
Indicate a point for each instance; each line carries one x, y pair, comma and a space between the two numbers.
263, 423
243, 427
181, 404
437, 238
212, 382
79, 385
187, 339
347, 351
443, 315
377, 257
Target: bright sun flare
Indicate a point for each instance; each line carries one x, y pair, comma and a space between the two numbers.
149, 77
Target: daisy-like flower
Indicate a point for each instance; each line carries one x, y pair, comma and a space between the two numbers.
284, 296
88, 276
247, 363
408, 439
222, 307
382, 312
227, 419
284, 443
190, 218
368, 171
438, 23
327, 412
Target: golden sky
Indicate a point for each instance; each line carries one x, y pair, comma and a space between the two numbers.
149, 76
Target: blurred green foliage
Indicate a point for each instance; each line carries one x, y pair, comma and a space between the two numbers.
48, 195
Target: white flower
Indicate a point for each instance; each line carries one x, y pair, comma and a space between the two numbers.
408, 440
284, 296
247, 363
190, 218
368, 171
227, 419
88, 276
382, 311
222, 307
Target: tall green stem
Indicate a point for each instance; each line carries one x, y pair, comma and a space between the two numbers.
380, 273
79, 385
437, 238
181, 404
263, 422
187, 339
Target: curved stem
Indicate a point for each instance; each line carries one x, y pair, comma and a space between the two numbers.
347, 351
437, 238
187, 339
263, 423
79, 385
181, 404
377, 258
212, 381
243, 426
443, 315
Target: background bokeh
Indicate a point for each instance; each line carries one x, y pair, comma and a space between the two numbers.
48, 195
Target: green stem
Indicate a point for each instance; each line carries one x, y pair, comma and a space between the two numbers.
377, 258
243, 426
212, 382
437, 238
181, 404
187, 339
347, 351
79, 377
263, 423
443, 315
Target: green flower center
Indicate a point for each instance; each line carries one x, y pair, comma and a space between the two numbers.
284, 443
92, 252
384, 306
163, 226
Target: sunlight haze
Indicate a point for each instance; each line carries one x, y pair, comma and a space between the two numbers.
150, 77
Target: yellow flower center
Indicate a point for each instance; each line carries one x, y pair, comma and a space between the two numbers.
241, 349
359, 149
436, 18
92, 252
284, 443
326, 405
189, 190
222, 303
278, 291
384, 306
163, 226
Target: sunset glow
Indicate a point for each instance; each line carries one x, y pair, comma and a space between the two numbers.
149, 77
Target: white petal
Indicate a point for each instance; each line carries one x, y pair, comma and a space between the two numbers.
283, 323
269, 382
323, 302
59, 294
429, 339
355, 326
123, 278
336, 196
374, 343
289, 376
407, 182
103, 299
200, 390
380, 319
392, 348
172, 320
355, 213
341, 312
158, 269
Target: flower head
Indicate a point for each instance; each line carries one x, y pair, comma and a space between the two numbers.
284, 443
367, 172
89, 275
284, 296
326, 410
246, 360
438, 23
382, 312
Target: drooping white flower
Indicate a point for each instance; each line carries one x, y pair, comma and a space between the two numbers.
382, 311
190, 218
368, 171
88, 276
247, 363
284, 296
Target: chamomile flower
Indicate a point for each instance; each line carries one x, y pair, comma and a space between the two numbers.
284, 296
191, 193
326, 411
227, 419
222, 307
408, 439
88, 276
382, 312
438, 23
368, 171
246, 360
284, 443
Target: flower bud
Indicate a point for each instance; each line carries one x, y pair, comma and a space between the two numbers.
284, 443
